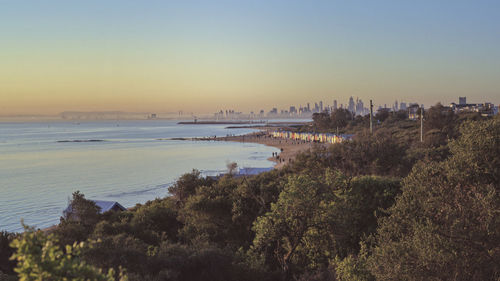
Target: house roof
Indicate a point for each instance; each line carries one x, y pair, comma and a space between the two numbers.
108, 205
244, 172
253, 171
104, 206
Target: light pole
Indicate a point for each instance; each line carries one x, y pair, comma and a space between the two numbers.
371, 117
422, 123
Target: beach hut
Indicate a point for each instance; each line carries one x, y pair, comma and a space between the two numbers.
104, 206
252, 171
107, 206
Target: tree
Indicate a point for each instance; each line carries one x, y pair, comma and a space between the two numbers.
252, 198
353, 268
186, 186
321, 120
340, 118
440, 118
81, 210
78, 221
158, 218
296, 225
358, 204
445, 225
382, 114
208, 214
40, 258
379, 154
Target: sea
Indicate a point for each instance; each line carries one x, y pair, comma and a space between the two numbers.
131, 162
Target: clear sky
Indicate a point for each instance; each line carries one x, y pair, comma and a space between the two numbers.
201, 56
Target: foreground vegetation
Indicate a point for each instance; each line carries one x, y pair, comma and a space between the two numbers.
380, 207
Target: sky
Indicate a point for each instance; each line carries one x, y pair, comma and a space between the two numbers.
203, 56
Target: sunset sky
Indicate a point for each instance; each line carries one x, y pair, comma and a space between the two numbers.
203, 56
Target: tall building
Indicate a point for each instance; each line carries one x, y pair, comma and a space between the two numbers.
462, 100
396, 105
308, 108
351, 105
273, 111
321, 106
334, 104
359, 107
402, 106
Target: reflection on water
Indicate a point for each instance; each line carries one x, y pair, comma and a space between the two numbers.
38, 173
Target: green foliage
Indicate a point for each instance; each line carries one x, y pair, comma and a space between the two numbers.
84, 211
177, 262
321, 120
316, 219
352, 269
359, 203
476, 153
158, 218
295, 222
131, 238
382, 114
186, 186
338, 119
253, 198
40, 258
378, 154
445, 225
440, 118
208, 214
78, 221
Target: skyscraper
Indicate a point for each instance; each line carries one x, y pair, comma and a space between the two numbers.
334, 104
462, 100
321, 106
402, 105
359, 107
351, 105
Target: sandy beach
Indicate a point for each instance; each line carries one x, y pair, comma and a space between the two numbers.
289, 148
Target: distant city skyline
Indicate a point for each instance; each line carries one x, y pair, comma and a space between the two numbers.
355, 106
336, 103
203, 56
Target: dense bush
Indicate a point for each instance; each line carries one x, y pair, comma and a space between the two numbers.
445, 225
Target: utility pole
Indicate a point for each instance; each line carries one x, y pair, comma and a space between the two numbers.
422, 123
371, 117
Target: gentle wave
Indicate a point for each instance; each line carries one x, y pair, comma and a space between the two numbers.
38, 174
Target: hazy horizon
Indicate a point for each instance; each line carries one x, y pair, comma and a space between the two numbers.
204, 56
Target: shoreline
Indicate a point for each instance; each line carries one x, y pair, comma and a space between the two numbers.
289, 149
244, 122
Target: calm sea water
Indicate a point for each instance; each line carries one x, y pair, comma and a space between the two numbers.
38, 174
